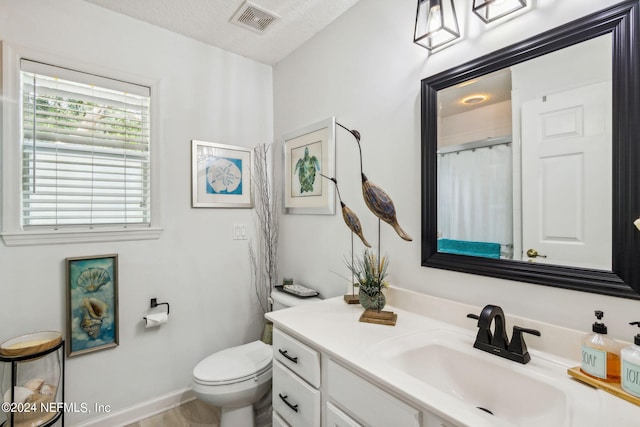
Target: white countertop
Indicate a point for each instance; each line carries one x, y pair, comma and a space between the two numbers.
333, 327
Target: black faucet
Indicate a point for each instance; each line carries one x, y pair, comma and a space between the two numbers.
498, 342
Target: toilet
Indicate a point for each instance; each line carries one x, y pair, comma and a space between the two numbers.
235, 378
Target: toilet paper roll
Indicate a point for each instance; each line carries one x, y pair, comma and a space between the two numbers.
156, 319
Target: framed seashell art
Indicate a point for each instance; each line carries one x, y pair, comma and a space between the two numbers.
92, 298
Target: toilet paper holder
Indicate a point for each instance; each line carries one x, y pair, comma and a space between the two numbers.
154, 303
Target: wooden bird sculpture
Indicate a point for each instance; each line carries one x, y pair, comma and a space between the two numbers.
350, 217
377, 200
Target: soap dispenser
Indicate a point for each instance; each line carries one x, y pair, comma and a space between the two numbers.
600, 354
630, 357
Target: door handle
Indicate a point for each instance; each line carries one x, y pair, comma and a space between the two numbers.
532, 253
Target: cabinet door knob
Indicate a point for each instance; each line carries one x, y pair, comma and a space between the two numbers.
284, 399
284, 353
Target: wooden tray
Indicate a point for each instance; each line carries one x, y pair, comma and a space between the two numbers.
613, 388
379, 317
25, 345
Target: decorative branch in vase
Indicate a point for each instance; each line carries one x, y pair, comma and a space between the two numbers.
263, 252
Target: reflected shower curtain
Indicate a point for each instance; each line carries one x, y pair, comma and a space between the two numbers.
475, 195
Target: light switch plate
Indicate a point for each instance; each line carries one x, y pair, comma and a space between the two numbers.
239, 231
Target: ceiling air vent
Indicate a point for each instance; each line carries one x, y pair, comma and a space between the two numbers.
253, 17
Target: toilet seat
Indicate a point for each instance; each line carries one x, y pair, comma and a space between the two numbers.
234, 364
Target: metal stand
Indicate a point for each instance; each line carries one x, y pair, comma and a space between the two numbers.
41, 413
353, 298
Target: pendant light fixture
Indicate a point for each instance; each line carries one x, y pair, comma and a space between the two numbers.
490, 10
436, 23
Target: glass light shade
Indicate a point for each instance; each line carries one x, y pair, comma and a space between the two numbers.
436, 23
490, 10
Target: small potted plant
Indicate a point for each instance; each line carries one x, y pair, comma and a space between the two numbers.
369, 275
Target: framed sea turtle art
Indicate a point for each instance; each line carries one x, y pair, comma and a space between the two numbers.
308, 152
220, 175
92, 298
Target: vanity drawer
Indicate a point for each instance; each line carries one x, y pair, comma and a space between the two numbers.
337, 418
294, 400
366, 402
431, 419
276, 421
299, 357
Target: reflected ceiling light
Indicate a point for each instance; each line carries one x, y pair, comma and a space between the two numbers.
637, 223
436, 23
490, 10
474, 99
467, 83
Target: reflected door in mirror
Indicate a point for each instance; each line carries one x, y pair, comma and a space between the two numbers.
524, 160
566, 175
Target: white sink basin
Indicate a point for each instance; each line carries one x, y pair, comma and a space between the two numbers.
536, 394
506, 394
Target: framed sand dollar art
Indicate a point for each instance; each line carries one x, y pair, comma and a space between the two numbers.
221, 175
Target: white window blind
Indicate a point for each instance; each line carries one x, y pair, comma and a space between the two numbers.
85, 149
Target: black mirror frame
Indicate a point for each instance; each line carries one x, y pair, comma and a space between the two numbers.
623, 22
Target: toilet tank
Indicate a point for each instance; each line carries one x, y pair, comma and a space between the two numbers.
283, 300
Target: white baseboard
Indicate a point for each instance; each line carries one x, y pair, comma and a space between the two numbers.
143, 410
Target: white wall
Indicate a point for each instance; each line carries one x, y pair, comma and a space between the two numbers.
205, 93
365, 70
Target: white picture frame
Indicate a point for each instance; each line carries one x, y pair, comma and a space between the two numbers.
307, 153
220, 175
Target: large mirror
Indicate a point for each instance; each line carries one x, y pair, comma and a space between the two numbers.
529, 159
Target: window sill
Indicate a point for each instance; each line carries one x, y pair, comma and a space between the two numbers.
51, 237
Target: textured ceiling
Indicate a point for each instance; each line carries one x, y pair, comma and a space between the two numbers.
209, 22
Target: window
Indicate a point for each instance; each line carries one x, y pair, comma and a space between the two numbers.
85, 150
79, 151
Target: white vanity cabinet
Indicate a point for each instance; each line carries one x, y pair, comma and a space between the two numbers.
336, 418
312, 390
353, 401
278, 421
366, 402
296, 382
298, 357
341, 372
